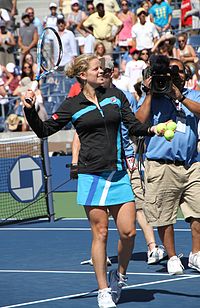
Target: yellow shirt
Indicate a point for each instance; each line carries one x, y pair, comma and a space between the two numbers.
102, 26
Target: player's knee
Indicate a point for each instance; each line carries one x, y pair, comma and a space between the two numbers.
128, 234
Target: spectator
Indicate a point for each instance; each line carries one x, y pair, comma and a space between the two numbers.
34, 20
120, 81
100, 50
20, 91
68, 42
126, 57
12, 83
90, 9
144, 55
186, 52
172, 177
51, 20
144, 33
11, 8
15, 123
102, 24
28, 38
195, 13
146, 6
111, 6
7, 42
128, 19
28, 58
5, 80
135, 67
74, 18
27, 71
165, 45
161, 15
186, 21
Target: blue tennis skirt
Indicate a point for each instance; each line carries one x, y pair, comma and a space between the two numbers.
104, 189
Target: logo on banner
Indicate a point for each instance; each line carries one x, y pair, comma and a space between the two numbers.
25, 179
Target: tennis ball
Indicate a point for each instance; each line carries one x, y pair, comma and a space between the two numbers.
171, 125
161, 128
169, 134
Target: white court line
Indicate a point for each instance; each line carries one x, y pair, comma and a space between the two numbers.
70, 229
94, 292
83, 272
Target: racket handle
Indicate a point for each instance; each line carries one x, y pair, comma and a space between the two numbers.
33, 87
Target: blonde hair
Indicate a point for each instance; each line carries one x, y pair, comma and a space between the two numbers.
79, 65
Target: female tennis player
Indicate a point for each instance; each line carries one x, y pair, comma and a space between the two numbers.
103, 182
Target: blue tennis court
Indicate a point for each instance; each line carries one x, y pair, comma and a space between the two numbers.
40, 267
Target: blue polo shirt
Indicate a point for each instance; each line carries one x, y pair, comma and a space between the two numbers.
127, 143
183, 146
160, 13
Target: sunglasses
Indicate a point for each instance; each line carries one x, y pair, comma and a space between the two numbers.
144, 53
181, 41
25, 67
124, 4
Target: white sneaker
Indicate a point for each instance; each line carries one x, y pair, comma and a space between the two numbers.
109, 263
194, 260
156, 255
105, 299
174, 265
116, 284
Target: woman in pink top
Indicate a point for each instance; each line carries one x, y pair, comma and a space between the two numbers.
129, 19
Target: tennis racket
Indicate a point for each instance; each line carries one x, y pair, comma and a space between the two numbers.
49, 55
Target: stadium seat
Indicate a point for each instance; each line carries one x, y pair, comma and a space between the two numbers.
194, 40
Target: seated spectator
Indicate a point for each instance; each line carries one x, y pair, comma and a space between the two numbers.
20, 91
28, 58
144, 55
27, 71
5, 80
11, 83
7, 42
100, 50
15, 123
165, 45
126, 57
161, 15
186, 52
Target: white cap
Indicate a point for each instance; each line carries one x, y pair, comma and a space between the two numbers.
74, 2
52, 4
10, 67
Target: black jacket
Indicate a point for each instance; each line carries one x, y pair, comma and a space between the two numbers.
99, 130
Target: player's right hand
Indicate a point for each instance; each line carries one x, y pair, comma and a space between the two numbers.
29, 99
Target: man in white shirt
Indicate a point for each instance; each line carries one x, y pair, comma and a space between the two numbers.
68, 42
144, 33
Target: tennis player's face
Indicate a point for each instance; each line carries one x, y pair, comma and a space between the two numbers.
94, 73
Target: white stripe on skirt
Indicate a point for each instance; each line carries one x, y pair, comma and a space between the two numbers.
106, 188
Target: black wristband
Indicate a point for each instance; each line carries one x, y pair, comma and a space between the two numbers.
150, 133
182, 99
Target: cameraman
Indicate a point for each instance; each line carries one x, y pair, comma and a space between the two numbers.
172, 170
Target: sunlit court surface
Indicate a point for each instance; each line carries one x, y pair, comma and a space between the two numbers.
40, 267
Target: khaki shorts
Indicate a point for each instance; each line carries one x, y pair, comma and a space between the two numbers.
137, 189
168, 186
